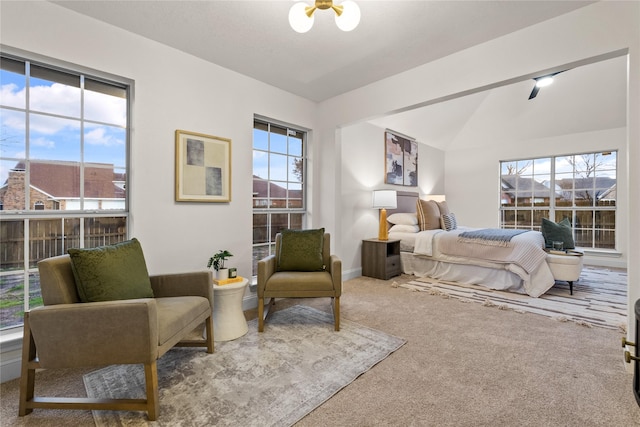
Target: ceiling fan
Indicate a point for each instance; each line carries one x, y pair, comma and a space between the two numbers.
543, 81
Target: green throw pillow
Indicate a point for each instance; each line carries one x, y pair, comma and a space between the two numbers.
301, 250
560, 232
108, 273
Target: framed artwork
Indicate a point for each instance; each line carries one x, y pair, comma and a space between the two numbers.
203, 168
401, 160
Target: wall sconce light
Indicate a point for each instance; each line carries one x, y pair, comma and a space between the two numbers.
383, 200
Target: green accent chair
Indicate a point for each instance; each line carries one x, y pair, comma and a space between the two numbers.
274, 282
68, 333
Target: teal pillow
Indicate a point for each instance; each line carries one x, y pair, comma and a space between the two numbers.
108, 273
560, 232
301, 250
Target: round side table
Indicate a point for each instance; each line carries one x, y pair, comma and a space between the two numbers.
229, 322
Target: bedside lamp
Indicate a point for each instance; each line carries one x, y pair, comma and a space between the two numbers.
383, 199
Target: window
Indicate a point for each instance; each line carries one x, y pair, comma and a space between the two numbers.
63, 164
579, 187
278, 184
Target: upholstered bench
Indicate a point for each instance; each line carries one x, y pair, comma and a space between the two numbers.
566, 267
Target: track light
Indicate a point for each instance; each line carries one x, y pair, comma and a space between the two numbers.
347, 15
543, 81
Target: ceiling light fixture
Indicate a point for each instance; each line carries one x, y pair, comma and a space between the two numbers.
347, 15
543, 81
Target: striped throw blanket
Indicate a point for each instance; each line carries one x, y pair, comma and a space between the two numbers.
489, 236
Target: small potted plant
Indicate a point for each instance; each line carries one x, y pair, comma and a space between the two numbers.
217, 262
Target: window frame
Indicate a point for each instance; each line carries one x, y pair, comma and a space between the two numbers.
552, 209
30, 214
264, 207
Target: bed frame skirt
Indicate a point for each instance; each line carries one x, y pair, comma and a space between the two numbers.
463, 273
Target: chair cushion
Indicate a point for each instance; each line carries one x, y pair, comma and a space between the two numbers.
300, 282
557, 232
301, 250
113, 272
176, 313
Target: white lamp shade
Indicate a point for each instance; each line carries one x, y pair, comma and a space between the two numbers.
386, 199
298, 18
350, 17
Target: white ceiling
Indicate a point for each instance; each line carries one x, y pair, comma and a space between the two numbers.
254, 38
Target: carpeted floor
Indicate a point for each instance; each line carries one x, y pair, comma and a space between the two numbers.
462, 365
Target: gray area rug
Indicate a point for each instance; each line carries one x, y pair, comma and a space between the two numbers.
599, 298
269, 379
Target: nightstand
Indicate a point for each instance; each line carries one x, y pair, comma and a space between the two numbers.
381, 258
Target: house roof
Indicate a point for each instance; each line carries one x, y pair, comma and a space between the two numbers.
61, 179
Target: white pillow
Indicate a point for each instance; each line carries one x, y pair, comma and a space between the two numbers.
403, 219
401, 228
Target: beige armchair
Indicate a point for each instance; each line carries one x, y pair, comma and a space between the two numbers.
67, 333
274, 282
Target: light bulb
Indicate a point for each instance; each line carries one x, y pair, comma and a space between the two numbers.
545, 81
350, 17
298, 18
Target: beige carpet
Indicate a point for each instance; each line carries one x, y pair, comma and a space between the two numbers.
462, 365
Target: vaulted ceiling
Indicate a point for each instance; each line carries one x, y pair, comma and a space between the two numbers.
254, 38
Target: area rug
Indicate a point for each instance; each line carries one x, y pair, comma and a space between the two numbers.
272, 378
599, 298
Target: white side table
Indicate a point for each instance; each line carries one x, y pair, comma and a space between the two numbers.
229, 322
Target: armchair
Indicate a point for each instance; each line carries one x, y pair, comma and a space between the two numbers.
66, 332
275, 280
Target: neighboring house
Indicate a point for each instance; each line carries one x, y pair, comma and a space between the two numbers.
263, 191
56, 186
524, 191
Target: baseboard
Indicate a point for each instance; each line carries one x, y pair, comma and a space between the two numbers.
10, 358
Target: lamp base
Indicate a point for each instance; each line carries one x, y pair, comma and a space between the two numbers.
383, 232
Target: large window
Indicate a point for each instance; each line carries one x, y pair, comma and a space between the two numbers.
63, 171
278, 184
579, 187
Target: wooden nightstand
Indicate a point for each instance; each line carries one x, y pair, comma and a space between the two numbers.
381, 258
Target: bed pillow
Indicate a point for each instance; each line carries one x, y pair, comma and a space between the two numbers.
301, 250
448, 222
443, 207
109, 273
401, 228
557, 232
428, 214
403, 219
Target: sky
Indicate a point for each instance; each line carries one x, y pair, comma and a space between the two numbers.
55, 131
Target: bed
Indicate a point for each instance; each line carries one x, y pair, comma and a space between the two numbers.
509, 260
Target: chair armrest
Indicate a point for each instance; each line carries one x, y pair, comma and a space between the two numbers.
197, 283
266, 268
335, 269
96, 333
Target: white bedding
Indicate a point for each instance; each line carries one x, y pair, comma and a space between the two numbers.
520, 266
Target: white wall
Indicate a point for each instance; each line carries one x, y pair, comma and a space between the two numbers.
589, 33
363, 163
173, 90
472, 177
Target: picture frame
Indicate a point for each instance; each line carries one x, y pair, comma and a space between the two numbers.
203, 168
401, 160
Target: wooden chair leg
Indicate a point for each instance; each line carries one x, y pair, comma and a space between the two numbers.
336, 313
209, 331
27, 373
260, 314
151, 380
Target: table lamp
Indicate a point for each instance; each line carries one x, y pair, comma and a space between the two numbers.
383, 199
